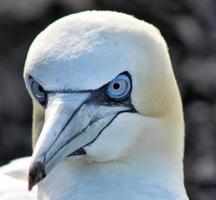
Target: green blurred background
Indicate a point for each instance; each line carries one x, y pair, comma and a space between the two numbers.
189, 27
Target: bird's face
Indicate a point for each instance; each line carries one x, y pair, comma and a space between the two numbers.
93, 88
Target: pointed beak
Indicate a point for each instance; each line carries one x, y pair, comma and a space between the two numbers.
72, 121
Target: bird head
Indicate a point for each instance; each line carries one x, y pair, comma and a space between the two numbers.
102, 87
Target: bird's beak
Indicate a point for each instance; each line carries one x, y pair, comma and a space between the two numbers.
72, 121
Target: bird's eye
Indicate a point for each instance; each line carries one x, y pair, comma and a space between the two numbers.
119, 88
38, 91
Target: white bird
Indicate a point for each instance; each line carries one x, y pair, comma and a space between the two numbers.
107, 114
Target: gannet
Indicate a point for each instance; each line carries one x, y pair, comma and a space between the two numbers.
107, 113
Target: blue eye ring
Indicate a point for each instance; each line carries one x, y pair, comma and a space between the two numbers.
38, 91
119, 87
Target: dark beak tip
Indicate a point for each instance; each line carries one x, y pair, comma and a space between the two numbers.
36, 174
30, 186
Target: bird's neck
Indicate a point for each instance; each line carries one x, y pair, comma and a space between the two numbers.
81, 180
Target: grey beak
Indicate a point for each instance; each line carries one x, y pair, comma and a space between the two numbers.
71, 123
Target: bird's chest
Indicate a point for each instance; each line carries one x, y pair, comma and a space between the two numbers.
108, 193
73, 182
109, 188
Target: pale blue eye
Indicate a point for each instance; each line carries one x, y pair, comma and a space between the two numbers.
119, 87
38, 91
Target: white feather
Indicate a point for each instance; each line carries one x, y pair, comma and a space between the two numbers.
13, 181
139, 155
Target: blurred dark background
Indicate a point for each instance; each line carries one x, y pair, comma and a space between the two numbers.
189, 26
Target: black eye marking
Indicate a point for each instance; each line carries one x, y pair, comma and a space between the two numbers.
115, 92
39, 93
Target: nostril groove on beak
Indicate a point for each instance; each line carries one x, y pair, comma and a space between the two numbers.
36, 173
66, 124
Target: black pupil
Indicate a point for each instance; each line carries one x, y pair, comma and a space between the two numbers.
40, 88
116, 86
